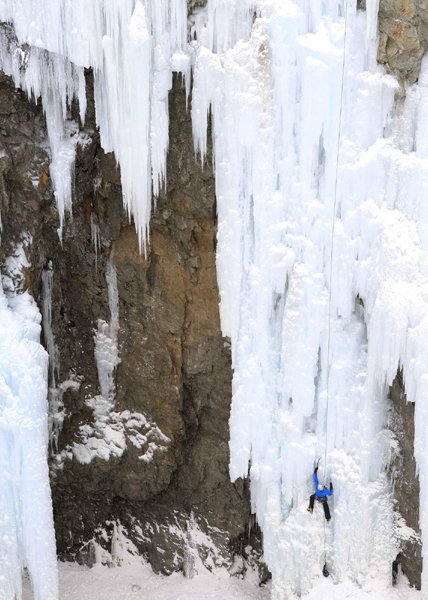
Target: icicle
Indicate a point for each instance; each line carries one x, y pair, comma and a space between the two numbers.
106, 350
96, 238
47, 287
130, 46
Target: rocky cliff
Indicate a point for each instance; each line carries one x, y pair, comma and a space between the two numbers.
151, 458
403, 37
406, 482
154, 459
403, 40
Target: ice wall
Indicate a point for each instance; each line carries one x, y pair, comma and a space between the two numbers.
276, 106
27, 538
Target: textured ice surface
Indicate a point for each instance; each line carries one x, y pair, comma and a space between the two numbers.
275, 101
27, 536
130, 45
106, 350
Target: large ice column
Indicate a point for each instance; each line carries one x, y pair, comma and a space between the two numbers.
27, 538
47, 288
276, 104
133, 46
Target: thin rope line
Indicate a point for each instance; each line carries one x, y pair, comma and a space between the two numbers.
332, 247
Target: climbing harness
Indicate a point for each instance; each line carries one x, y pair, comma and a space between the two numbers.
325, 571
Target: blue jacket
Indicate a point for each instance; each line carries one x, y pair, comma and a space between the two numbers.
321, 493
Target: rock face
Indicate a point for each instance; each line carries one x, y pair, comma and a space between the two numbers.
403, 40
155, 458
153, 461
406, 482
403, 37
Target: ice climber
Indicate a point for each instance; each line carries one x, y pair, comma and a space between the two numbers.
321, 494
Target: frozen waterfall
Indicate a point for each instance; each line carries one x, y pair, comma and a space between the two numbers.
275, 100
27, 538
270, 73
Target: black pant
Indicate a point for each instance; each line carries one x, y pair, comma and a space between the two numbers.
323, 502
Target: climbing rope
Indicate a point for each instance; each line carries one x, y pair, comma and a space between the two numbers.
339, 136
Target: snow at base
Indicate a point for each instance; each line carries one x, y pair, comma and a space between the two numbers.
27, 538
136, 581
122, 574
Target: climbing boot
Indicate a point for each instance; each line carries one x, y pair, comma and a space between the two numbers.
328, 520
311, 510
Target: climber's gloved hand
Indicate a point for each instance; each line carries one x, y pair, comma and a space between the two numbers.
331, 486
316, 469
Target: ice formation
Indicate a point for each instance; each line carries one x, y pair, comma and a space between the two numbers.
106, 350
27, 537
96, 238
311, 154
276, 109
47, 286
131, 46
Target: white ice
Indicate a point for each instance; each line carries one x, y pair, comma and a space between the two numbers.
27, 538
130, 46
276, 104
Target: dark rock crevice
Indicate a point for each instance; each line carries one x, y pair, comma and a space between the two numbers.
406, 481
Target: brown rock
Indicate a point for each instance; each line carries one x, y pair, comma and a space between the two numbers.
405, 479
403, 29
175, 365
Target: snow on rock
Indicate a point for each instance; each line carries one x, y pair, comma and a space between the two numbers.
27, 537
111, 433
